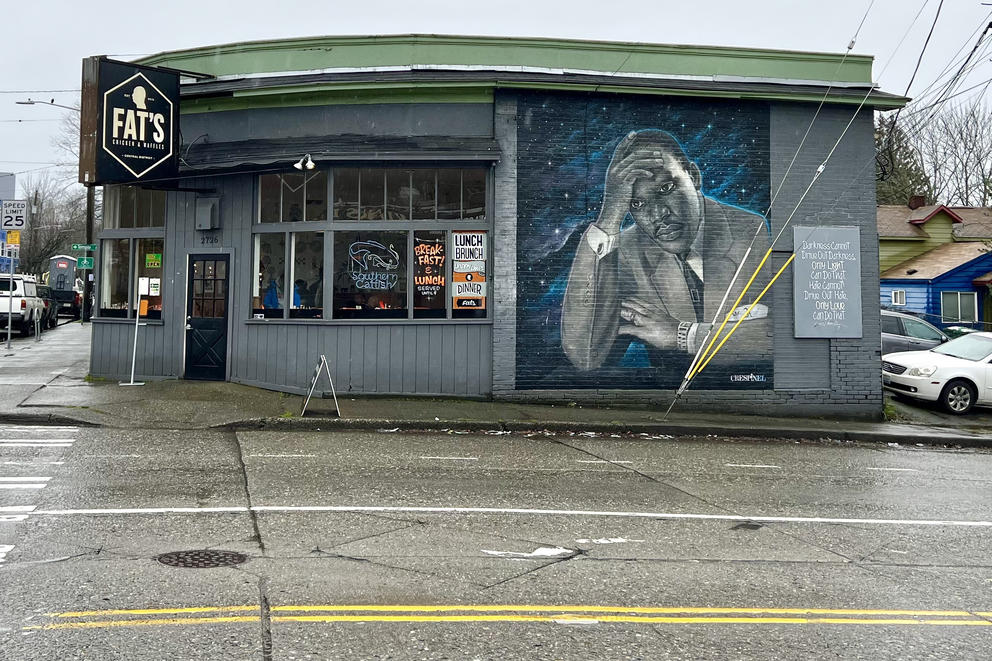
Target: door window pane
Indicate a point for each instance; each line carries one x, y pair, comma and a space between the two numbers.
126, 207
398, 194
890, 324
268, 295
424, 194
370, 275
149, 256
308, 275
920, 330
449, 194
346, 194
429, 291
115, 258
372, 193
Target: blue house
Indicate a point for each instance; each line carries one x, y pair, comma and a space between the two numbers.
947, 285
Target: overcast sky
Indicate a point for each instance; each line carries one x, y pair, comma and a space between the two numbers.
45, 40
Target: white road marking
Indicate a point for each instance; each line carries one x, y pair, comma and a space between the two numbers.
607, 540
17, 508
20, 485
901, 470
22, 444
541, 552
4, 550
600, 461
33, 463
752, 465
454, 458
24, 479
685, 516
36, 440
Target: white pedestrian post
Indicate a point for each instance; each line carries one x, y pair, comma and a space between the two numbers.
142, 290
10, 287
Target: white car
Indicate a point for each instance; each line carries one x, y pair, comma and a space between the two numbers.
958, 374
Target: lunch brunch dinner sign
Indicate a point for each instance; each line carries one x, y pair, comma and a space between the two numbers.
128, 123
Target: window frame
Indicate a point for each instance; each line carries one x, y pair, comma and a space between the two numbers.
330, 227
898, 297
944, 319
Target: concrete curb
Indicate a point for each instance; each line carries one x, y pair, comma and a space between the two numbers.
666, 429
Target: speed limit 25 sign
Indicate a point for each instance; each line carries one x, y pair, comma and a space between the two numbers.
13, 215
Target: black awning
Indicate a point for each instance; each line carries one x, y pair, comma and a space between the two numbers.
204, 157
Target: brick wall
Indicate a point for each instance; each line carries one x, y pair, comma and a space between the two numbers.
835, 378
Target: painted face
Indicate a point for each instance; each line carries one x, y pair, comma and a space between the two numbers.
667, 206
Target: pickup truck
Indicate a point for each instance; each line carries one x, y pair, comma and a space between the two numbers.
26, 305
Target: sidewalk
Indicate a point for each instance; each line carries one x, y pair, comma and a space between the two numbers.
45, 383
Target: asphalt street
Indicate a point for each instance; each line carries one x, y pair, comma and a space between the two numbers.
363, 545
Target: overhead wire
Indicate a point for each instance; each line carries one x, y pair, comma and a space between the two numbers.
719, 310
698, 366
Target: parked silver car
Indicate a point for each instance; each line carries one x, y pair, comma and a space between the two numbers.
904, 332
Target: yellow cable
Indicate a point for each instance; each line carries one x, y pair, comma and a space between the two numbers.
743, 317
730, 313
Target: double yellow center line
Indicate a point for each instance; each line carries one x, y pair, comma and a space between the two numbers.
580, 614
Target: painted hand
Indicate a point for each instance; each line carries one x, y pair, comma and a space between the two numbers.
628, 164
649, 323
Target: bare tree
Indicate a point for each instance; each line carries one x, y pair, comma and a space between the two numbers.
58, 217
951, 149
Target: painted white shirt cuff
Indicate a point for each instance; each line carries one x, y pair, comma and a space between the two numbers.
601, 243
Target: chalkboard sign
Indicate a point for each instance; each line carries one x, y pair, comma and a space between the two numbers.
827, 282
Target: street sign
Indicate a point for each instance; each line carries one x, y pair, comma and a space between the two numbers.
84, 246
84, 263
13, 215
14, 237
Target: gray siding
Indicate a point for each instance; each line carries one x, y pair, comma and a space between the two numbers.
397, 358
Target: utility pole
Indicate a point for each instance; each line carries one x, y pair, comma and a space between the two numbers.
87, 283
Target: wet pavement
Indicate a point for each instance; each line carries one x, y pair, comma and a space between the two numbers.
366, 544
491, 531
45, 382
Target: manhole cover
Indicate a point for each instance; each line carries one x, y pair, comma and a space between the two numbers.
202, 559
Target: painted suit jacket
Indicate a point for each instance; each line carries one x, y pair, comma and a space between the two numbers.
639, 268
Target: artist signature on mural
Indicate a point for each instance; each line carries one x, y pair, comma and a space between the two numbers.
373, 265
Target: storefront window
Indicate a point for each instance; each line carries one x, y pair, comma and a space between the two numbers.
308, 275
429, 274
370, 275
269, 287
114, 277
149, 260
291, 198
127, 207
399, 243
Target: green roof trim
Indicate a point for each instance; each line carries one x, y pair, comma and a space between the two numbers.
350, 52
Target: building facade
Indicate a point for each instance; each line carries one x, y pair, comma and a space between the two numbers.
510, 218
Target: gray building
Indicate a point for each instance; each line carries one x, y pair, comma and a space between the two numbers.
510, 218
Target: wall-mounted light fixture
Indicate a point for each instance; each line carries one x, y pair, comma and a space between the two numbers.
305, 162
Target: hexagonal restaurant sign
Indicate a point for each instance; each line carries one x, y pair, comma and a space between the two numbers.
129, 121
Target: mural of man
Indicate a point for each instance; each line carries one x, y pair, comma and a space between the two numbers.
660, 280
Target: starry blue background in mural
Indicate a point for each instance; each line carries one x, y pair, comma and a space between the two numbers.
564, 146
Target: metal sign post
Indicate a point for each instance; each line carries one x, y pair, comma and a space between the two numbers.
322, 367
13, 216
142, 291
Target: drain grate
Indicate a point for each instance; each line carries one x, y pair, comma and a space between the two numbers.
202, 559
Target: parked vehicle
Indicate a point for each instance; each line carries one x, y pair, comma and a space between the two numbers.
65, 285
23, 302
51, 317
904, 332
957, 374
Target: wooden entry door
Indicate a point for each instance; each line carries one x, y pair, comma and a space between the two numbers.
206, 317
